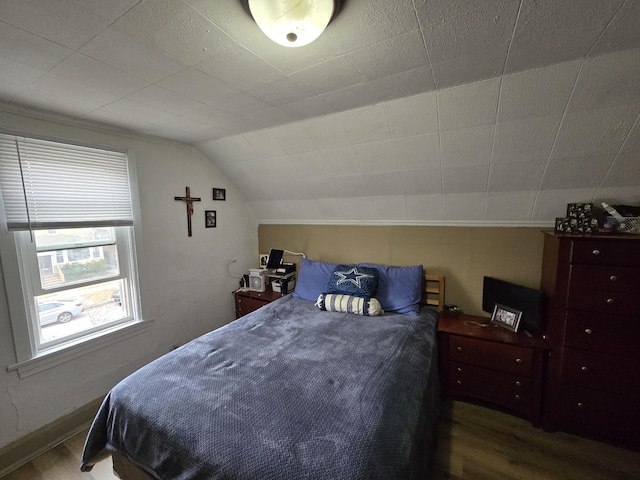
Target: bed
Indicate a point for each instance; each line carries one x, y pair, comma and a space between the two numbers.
289, 391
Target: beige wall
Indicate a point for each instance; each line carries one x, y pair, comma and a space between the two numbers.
463, 254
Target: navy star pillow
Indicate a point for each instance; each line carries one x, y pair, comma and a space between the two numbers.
354, 280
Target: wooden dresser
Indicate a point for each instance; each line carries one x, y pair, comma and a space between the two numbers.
248, 301
482, 361
593, 330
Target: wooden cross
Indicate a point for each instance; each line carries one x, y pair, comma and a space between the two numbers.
188, 199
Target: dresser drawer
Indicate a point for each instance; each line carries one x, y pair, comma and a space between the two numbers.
603, 301
613, 279
600, 371
622, 253
604, 333
602, 414
492, 355
490, 385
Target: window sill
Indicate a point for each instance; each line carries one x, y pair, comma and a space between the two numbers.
62, 354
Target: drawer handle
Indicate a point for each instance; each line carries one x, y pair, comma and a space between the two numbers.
588, 331
459, 370
613, 278
584, 369
518, 360
610, 301
596, 252
459, 382
579, 405
459, 349
518, 383
517, 397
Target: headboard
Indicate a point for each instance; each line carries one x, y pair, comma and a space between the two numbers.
433, 291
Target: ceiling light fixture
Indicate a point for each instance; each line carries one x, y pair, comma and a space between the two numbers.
293, 23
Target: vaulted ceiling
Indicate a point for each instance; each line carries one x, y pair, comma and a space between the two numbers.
402, 111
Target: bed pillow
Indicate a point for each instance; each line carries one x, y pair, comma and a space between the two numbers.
354, 280
399, 288
312, 279
349, 304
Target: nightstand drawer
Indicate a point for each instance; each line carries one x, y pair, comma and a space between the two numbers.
492, 355
604, 333
511, 391
600, 371
623, 253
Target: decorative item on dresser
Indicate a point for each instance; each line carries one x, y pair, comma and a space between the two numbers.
593, 383
480, 360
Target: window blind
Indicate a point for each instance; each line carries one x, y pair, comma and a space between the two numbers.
62, 185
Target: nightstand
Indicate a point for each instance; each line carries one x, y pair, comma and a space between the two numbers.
248, 301
482, 361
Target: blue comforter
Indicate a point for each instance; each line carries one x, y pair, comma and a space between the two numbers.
286, 392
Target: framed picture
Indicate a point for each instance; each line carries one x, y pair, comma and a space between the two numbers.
209, 218
264, 259
219, 194
506, 317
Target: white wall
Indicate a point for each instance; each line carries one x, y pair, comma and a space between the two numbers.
185, 287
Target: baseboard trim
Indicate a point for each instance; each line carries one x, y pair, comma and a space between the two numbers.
27, 448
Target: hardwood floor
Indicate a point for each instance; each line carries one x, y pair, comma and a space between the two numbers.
473, 443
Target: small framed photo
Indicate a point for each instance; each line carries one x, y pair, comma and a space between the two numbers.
264, 259
219, 194
209, 218
506, 317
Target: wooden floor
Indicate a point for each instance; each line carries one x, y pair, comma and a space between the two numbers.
473, 443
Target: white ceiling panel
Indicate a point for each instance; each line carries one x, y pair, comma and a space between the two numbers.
622, 32
465, 179
576, 172
412, 99
390, 208
65, 22
608, 81
467, 146
516, 176
524, 140
424, 207
537, 93
129, 54
549, 31
377, 157
416, 152
95, 74
421, 181
468, 105
413, 115
464, 207
510, 206
30, 49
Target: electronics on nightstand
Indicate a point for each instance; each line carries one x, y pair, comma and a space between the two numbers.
285, 284
257, 280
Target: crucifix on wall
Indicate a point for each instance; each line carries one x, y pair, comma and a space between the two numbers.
188, 199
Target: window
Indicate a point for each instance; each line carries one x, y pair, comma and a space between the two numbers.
69, 212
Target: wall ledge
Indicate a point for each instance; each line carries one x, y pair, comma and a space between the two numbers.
412, 223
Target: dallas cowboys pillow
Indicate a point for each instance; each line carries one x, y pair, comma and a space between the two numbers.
353, 280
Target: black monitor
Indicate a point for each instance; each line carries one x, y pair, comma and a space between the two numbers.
275, 259
528, 300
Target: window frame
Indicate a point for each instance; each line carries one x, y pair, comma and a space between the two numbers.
19, 262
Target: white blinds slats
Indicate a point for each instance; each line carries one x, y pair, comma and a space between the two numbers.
66, 185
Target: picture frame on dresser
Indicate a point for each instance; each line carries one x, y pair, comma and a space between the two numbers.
506, 317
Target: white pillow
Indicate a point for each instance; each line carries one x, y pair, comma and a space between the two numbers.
349, 304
